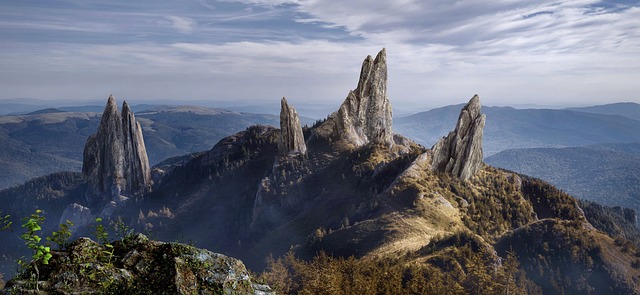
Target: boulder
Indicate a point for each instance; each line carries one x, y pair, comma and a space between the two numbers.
79, 215
137, 265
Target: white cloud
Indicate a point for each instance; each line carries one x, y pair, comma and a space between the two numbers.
439, 52
314, 70
183, 25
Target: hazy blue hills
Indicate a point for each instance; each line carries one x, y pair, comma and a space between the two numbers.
608, 174
510, 128
16, 107
627, 109
28, 106
173, 131
592, 153
52, 140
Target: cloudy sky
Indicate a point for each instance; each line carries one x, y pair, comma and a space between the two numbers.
439, 51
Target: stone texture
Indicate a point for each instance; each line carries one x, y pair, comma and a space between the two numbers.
138, 265
365, 115
291, 139
79, 215
135, 152
115, 158
460, 152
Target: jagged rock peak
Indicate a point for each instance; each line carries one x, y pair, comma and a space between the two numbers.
135, 149
111, 106
115, 158
460, 152
365, 115
291, 139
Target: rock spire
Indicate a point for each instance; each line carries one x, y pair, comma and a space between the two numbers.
115, 158
291, 139
365, 115
460, 152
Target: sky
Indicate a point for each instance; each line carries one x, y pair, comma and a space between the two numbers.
439, 52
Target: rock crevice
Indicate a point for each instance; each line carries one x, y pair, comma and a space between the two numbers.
460, 152
115, 158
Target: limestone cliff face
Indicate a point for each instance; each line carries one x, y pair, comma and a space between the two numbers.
115, 159
460, 152
365, 115
291, 139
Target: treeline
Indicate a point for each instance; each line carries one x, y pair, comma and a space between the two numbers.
46, 188
549, 201
495, 203
461, 271
617, 222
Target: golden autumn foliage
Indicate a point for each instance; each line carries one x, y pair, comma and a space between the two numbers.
325, 274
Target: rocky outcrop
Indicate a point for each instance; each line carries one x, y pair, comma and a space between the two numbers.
291, 139
78, 215
272, 206
365, 115
115, 158
460, 152
137, 265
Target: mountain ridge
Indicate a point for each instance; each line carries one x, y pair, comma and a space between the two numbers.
627, 109
604, 173
54, 142
509, 128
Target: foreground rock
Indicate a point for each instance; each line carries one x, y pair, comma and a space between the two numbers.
460, 152
115, 158
365, 115
138, 266
291, 140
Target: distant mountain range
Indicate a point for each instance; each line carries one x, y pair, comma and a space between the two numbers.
509, 128
608, 173
49, 141
627, 109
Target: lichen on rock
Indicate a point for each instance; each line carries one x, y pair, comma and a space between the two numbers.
138, 265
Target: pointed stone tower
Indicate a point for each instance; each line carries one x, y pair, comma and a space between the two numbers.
365, 115
460, 152
115, 159
291, 139
136, 160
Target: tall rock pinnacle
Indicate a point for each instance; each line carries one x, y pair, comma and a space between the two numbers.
460, 152
291, 140
115, 158
365, 115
